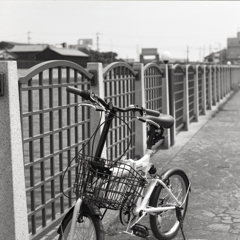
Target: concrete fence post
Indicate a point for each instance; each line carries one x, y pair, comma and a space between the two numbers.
218, 81
224, 81
97, 87
141, 138
186, 101
210, 87
204, 90
13, 205
171, 101
165, 104
229, 80
196, 95
214, 90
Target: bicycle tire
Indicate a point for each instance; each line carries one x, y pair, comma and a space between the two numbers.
81, 230
167, 228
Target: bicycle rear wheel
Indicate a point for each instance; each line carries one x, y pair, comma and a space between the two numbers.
165, 225
89, 227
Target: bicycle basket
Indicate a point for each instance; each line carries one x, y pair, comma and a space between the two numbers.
96, 184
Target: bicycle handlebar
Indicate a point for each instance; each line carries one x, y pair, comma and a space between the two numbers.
82, 93
152, 112
89, 95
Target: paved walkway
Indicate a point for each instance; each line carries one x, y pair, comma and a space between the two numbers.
210, 154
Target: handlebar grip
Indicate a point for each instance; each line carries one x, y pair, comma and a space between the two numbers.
152, 112
83, 93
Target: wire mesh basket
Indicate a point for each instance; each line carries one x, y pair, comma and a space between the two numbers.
107, 184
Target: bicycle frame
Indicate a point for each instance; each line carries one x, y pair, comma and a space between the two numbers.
141, 165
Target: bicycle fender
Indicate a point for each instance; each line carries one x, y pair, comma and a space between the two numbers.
94, 210
65, 217
169, 171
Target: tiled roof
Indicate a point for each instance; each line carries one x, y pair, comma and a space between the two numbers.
68, 52
7, 52
28, 48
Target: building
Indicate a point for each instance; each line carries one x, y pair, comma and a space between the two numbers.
219, 57
233, 49
149, 55
6, 55
53, 53
27, 52
8, 45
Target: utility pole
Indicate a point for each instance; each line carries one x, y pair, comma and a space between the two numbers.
200, 52
187, 54
137, 54
203, 53
29, 38
98, 42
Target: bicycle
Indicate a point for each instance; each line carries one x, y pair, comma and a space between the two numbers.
131, 186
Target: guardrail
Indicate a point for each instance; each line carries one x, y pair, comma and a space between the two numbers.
54, 129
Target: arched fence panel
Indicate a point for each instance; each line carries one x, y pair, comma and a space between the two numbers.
217, 77
207, 77
153, 86
53, 130
119, 86
178, 96
200, 88
213, 83
221, 82
191, 81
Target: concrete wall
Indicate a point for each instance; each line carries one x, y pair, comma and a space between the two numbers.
13, 209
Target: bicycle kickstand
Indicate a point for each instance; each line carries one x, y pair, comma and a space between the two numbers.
180, 219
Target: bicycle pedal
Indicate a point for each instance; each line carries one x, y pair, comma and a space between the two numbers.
140, 230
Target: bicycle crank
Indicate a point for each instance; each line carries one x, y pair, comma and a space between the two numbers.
140, 230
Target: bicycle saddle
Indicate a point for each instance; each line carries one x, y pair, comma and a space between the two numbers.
166, 121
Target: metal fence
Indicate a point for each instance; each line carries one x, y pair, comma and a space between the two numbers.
178, 95
54, 129
207, 86
191, 82
200, 88
119, 87
153, 86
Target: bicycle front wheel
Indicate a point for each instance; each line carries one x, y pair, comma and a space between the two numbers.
165, 225
88, 227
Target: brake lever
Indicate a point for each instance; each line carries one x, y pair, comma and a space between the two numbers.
144, 119
96, 107
85, 104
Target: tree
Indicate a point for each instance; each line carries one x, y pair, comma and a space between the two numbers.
103, 57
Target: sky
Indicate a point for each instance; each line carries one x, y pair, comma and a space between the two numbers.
184, 28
